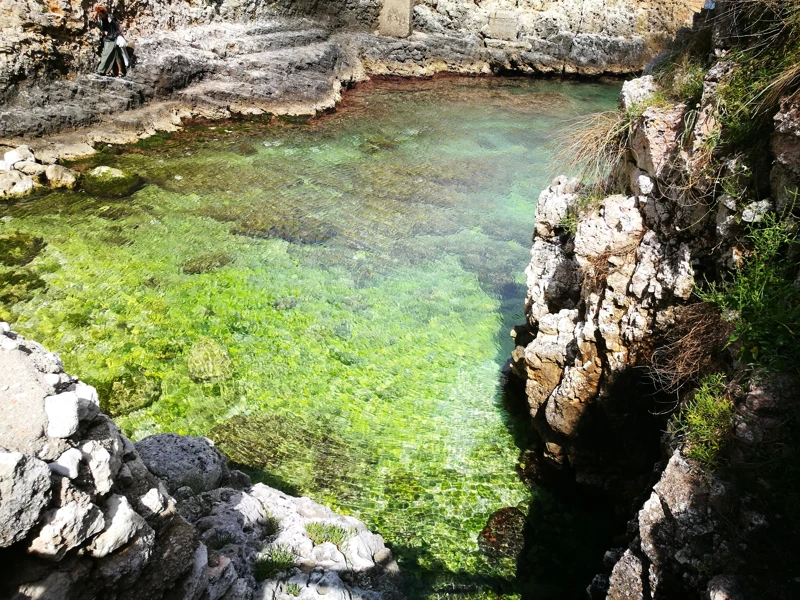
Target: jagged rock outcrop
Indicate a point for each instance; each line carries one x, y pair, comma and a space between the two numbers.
85, 513
595, 298
610, 287
696, 523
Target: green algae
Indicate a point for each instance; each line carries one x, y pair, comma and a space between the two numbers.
350, 343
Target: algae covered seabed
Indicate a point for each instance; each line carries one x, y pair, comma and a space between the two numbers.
329, 301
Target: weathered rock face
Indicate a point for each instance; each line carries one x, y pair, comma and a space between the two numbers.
609, 282
256, 57
596, 297
562, 36
84, 512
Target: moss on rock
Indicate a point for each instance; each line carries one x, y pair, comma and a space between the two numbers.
106, 182
206, 262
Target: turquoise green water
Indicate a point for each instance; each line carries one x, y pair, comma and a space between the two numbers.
329, 301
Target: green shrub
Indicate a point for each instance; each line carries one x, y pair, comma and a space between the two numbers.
271, 561
761, 300
293, 589
706, 421
323, 532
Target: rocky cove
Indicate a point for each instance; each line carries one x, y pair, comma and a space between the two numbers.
278, 365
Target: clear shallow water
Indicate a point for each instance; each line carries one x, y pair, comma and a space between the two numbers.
329, 301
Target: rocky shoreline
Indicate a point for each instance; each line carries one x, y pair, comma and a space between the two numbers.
87, 513
616, 299
248, 58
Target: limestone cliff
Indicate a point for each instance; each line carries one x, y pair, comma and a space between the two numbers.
85, 513
623, 331
293, 57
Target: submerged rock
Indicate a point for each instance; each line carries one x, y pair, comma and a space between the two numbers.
208, 360
19, 248
503, 534
107, 182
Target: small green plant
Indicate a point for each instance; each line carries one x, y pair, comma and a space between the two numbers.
584, 204
681, 79
272, 524
569, 223
761, 300
322, 532
293, 589
220, 539
706, 421
271, 561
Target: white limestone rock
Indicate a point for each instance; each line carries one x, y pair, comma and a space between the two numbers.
121, 524
14, 183
19, 154
62, 414
636, 91
103, 465
88, 402
66, 528
67, 464
31, 168
61, 177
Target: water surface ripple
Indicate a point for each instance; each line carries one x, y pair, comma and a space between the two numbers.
329, 301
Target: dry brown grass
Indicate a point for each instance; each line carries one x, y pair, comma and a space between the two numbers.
594, 144
692, 349
600, 267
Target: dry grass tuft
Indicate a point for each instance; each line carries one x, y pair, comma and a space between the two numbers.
593, 145
693, 347
600, 266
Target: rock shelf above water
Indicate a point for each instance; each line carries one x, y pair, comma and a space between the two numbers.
246, 58
85, 513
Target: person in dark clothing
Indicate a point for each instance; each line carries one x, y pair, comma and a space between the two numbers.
109, 30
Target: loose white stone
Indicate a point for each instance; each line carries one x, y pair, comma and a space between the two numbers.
88, 402
66, 528
18, 155
62, 414
4, 327
103, 466
52, 379
61, 177
67, 464
121, 524
154, 501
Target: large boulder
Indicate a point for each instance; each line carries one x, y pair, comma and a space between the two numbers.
184, 461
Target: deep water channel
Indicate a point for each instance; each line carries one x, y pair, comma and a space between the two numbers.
329, 301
